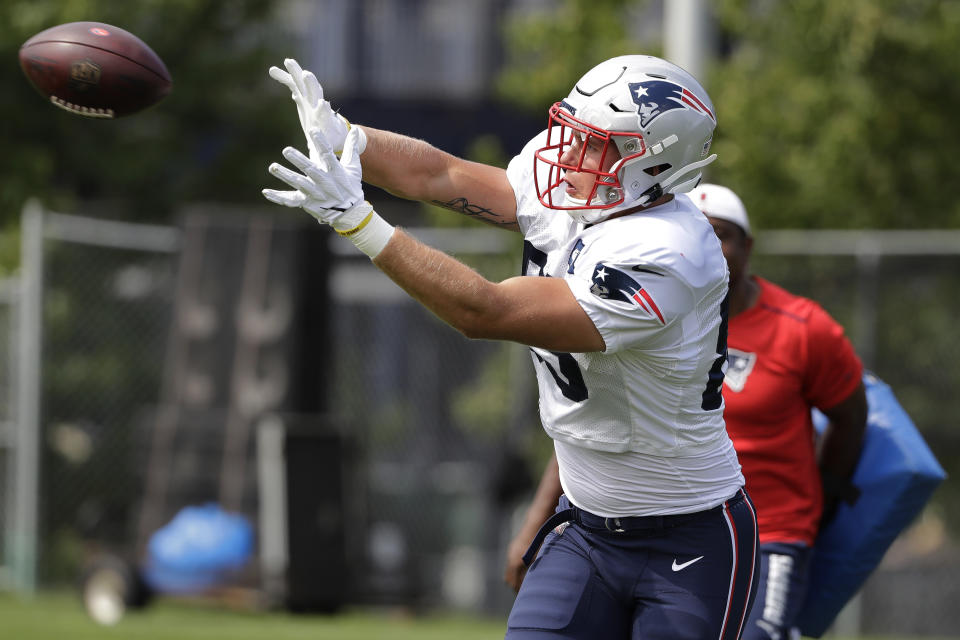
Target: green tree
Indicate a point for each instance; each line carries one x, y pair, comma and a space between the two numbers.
210, 139
840, 114
546, 52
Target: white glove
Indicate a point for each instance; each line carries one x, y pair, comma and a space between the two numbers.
314, 111
331, 190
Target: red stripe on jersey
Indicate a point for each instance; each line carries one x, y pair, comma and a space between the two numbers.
653, 305
640, 301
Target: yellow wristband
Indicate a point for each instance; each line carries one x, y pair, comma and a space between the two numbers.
359, 227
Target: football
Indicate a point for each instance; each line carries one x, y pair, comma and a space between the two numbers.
94, 69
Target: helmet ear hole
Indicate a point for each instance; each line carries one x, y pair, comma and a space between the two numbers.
658, 169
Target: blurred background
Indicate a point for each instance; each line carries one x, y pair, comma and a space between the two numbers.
170, 340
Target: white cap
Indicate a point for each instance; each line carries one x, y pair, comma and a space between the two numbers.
720, 202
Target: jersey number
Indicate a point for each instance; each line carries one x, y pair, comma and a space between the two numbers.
711, 395
561, 366
566, 373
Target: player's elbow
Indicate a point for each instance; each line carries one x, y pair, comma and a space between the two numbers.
478, 325
488, 319
472, 330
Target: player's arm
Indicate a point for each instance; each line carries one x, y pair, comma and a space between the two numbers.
840, 446
416, 170
542, 507
404, 166
536, 311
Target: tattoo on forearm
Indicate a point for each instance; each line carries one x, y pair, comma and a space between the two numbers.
460, 205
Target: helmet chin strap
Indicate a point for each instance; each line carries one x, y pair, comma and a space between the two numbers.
582, 214
589, 216
576, 202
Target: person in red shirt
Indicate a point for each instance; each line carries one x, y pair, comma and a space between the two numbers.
786, 355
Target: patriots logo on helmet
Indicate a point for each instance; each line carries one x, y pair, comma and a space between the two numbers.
739, 366
613, 284
656, 97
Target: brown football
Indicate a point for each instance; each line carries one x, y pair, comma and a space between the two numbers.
94, 69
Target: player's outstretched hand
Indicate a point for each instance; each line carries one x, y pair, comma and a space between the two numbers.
313, 110
329, 188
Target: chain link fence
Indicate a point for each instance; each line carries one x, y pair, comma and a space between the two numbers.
8, 342
440, 438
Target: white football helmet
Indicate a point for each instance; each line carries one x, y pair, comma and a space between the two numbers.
658, 116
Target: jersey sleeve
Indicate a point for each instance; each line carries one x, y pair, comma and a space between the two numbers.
520, 174
630, 308
833, 369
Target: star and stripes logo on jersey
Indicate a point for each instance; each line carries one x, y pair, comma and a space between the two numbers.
739, 366
613, 284
655, 97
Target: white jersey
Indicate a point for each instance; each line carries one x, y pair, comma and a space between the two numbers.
638, 428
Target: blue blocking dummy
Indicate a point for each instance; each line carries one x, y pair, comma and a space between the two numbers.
199, 549
896, 475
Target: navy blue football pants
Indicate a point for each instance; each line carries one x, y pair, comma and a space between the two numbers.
683, 577
784, 569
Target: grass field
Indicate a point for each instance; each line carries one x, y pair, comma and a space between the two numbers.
60, 616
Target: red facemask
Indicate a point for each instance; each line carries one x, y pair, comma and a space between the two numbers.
564, 133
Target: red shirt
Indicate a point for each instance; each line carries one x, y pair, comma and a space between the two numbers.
786, 355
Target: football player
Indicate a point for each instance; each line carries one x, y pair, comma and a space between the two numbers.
623, 303
786, 356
